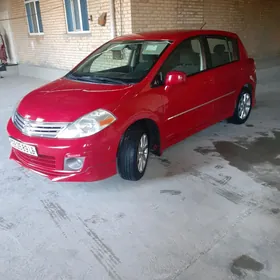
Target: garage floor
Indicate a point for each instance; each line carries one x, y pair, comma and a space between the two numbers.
209, 208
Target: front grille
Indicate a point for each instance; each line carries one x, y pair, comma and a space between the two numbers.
40, 161
38, 129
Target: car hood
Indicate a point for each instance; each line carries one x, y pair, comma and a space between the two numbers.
67, 100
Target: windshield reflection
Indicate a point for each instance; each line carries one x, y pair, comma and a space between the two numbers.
124, 62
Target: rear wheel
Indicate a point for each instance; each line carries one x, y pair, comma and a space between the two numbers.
133, 154
243, 108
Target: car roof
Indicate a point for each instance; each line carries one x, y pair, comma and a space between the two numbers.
173, 35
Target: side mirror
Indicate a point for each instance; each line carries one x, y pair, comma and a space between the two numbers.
175, 78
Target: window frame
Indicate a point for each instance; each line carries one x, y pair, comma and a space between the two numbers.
37, 19
157, 83
82, 31
208, 52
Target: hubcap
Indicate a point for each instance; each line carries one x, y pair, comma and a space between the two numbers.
142, 155
244, 106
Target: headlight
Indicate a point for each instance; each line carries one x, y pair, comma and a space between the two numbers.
87, 125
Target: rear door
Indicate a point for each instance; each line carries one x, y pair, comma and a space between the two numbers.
223, 62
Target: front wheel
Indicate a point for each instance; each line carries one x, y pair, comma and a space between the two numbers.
133, 154
243, 108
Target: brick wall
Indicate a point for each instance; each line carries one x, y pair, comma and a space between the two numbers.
256, 21
57, 48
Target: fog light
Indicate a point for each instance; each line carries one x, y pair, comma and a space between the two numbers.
74, 163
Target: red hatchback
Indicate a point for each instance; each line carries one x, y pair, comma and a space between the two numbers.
136, 94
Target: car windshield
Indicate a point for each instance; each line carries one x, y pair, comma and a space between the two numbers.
123, 62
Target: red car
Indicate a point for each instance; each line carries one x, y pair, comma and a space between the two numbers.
134, 95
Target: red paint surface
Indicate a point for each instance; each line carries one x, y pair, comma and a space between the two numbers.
66, 101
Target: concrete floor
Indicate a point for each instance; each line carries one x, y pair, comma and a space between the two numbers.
209, 208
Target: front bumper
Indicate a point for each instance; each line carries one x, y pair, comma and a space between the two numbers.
99, 151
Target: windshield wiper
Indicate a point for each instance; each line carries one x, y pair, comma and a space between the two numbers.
96, 78
110, 80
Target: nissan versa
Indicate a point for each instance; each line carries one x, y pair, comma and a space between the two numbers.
134, 95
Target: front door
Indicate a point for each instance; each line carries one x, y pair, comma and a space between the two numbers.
187, 105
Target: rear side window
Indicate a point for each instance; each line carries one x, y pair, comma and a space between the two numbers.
219, 51
222, 50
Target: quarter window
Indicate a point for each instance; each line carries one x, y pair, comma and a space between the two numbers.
34, 18
233, 49
77, 15
187, 57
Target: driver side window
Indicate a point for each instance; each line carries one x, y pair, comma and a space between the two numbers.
187, 57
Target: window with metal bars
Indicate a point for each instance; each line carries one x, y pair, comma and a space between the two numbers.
34, 18
77, 15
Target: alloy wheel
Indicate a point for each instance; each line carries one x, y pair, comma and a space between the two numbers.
142, 155
244, 106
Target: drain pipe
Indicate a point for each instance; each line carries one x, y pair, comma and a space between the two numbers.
113, 18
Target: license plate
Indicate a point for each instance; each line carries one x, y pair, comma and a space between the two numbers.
24, 148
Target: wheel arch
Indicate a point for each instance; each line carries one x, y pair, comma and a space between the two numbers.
249, 87
153, 131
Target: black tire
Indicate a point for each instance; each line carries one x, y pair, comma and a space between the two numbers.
127, 159
236, 118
